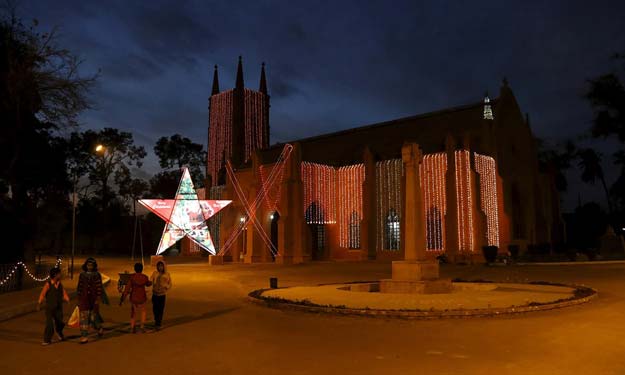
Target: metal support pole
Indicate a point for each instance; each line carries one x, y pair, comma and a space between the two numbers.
141, 242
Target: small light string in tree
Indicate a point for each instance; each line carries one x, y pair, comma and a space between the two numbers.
30, 274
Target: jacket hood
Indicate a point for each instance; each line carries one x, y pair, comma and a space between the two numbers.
164, 265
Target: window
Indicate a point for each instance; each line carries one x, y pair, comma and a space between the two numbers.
392, 234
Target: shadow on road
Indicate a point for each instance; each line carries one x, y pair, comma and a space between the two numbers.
116, 329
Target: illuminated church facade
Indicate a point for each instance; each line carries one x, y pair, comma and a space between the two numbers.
340, 196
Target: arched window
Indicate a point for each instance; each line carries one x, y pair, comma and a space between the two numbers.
392, 235
354, 231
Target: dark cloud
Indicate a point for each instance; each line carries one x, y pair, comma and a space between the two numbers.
333, 65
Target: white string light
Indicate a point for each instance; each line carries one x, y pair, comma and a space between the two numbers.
21, 264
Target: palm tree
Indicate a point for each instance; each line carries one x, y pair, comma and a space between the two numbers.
590, 164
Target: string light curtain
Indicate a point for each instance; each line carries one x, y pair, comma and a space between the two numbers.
433, 183
214, 222
388, 180
219, 132
486, 167
274, 192
350, 180
319, 193
465, 200
256, 136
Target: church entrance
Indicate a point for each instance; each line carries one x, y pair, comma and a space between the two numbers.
318, 235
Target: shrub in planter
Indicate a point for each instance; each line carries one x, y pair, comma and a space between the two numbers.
591, 254
514, 251
490, 253
571, 255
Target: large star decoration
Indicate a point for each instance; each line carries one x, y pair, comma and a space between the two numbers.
185, 215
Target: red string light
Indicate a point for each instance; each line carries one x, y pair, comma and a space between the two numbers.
433, 169
255, 120
464, 200
219, 131
350, 181
319, 193
273, 194
388, 178
486, 167
251, 208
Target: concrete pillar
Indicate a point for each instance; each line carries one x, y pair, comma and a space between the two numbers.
369, 225
291, 227
451, 217
255, 247
416, 273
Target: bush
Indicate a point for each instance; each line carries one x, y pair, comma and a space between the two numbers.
490, 253
514, 251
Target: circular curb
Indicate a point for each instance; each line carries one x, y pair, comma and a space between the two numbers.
257, 298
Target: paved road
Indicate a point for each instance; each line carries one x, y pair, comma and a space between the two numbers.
210, 328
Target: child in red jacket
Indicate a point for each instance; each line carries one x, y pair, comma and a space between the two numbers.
138, 298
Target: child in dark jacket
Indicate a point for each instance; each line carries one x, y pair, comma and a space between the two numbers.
53, 294
138, 298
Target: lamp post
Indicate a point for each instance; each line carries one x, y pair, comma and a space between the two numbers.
100, 148
71, 270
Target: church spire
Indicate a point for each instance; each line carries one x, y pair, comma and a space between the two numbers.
215, 83
263, 80
488, 111
239, 84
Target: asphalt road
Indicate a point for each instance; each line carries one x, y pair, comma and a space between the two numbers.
210, 328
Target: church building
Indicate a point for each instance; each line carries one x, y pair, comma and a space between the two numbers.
340, 196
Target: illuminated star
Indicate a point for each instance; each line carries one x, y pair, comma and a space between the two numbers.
185, 215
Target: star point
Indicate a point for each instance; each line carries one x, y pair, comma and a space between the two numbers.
185, 215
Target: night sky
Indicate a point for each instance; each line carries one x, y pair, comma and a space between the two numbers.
336, 65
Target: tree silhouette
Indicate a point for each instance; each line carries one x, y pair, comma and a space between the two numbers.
178, 151
590, 164
607, 97
115, 158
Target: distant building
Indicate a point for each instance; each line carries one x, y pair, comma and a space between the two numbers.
340, 195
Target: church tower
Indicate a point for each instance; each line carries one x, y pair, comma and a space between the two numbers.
238, 124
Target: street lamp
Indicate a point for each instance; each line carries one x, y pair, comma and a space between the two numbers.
99, 148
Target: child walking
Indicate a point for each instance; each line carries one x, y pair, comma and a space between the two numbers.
54, 294
161, 283
138, 298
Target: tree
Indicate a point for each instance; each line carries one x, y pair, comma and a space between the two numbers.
618, 188
607, 97
557, 161
164, 184
590, 164
41, 91
177, 152
116, 154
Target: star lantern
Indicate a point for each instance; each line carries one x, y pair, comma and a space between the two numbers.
185, 215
